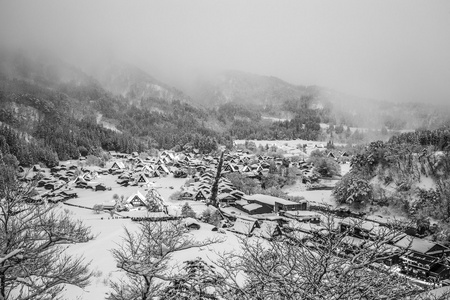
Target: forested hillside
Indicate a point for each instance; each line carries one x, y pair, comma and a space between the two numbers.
410, 173
48, 106
274, 97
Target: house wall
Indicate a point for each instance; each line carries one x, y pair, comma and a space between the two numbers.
290, 207
137, 202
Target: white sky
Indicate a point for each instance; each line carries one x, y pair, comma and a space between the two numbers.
389, 50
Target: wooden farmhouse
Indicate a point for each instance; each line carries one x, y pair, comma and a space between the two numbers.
162, 169
244, 226
141, 179
117, 165
136, 200
270, 204
268, 230
187, 195
202, 194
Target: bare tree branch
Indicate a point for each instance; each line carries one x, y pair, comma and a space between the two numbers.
33, 264
145, 258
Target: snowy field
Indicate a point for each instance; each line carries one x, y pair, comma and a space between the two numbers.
290, 146
282, 143
108, 232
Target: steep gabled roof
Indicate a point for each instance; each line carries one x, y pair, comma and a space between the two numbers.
202, 194
163, 168
118, 165
141, 178
246, 169
267, 230
148, 169
136, 197
244, 226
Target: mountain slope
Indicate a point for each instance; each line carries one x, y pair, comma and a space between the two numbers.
273, 97
63, 110
247, 89
132, 83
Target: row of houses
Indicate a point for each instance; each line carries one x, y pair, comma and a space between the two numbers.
50, 197
53, 185
200, 189
269, 217
417, 257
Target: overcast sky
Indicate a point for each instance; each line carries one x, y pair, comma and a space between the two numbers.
388, 50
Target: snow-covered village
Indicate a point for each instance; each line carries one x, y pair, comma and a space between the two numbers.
224, 150
191, 197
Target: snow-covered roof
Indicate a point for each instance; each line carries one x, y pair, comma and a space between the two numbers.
305, 227
137, 195
270, 200
242, 202
163, 168
141, 177
250, 207
417, 244
188, 192
267, 229
118, 164
243, 226
224, 196
298, 235
189, 221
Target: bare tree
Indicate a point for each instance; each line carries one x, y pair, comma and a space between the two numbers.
199, 280
33, 263
327, 265
145, 257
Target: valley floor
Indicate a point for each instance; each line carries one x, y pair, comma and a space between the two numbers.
109, 231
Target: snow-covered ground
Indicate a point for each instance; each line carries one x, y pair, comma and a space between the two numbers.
109, 231
288, 145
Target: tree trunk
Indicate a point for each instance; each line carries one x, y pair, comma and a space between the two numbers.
215, 186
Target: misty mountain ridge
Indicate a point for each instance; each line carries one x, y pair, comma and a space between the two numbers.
274, 97
244, 88
42, 67
133, 83
267, 96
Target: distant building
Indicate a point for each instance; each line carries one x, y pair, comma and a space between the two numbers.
136, 199
275, 204
117, 165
